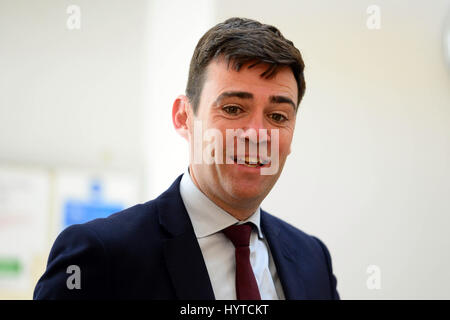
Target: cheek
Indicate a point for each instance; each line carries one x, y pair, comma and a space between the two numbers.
285, 141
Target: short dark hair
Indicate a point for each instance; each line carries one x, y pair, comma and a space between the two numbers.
240, 41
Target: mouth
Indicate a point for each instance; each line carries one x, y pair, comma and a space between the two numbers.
251, 162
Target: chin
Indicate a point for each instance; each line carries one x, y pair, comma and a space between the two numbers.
247, 191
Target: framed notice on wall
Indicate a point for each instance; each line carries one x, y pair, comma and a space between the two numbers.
24, 224
82, 196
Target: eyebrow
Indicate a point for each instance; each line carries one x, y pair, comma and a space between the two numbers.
249, 96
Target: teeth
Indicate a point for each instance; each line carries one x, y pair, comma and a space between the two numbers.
252, 162
247, 160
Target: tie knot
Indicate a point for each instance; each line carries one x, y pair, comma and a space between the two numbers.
239, 234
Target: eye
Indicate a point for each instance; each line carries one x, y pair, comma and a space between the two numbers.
232, 109
278, 117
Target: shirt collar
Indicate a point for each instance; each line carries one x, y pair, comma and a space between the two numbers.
207, 218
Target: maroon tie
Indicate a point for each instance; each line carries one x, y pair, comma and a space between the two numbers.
246, 286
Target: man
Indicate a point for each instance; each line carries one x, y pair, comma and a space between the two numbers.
206, 237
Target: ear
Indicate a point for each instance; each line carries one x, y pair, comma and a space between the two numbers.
181, 116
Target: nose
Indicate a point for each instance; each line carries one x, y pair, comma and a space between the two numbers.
255, 129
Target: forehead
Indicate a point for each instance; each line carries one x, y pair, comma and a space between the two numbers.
220, 77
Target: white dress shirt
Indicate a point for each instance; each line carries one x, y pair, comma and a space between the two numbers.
218, 251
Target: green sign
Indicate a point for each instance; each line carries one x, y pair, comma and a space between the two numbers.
9, 267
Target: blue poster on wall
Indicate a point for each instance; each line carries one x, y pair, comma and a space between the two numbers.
80, 211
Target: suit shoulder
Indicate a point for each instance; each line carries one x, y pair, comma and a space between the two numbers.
295, 234
124, 228
284, 226
127, 220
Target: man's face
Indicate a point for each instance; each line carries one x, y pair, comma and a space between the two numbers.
243, 100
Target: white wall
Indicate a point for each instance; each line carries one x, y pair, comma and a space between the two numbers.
72, 97
175, 28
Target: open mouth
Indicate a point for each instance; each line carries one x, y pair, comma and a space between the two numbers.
250, 162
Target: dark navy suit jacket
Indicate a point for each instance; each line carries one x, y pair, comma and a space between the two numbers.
150, 251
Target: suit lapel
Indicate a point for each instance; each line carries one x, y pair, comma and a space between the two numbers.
286, 260
184, 258
182, 252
